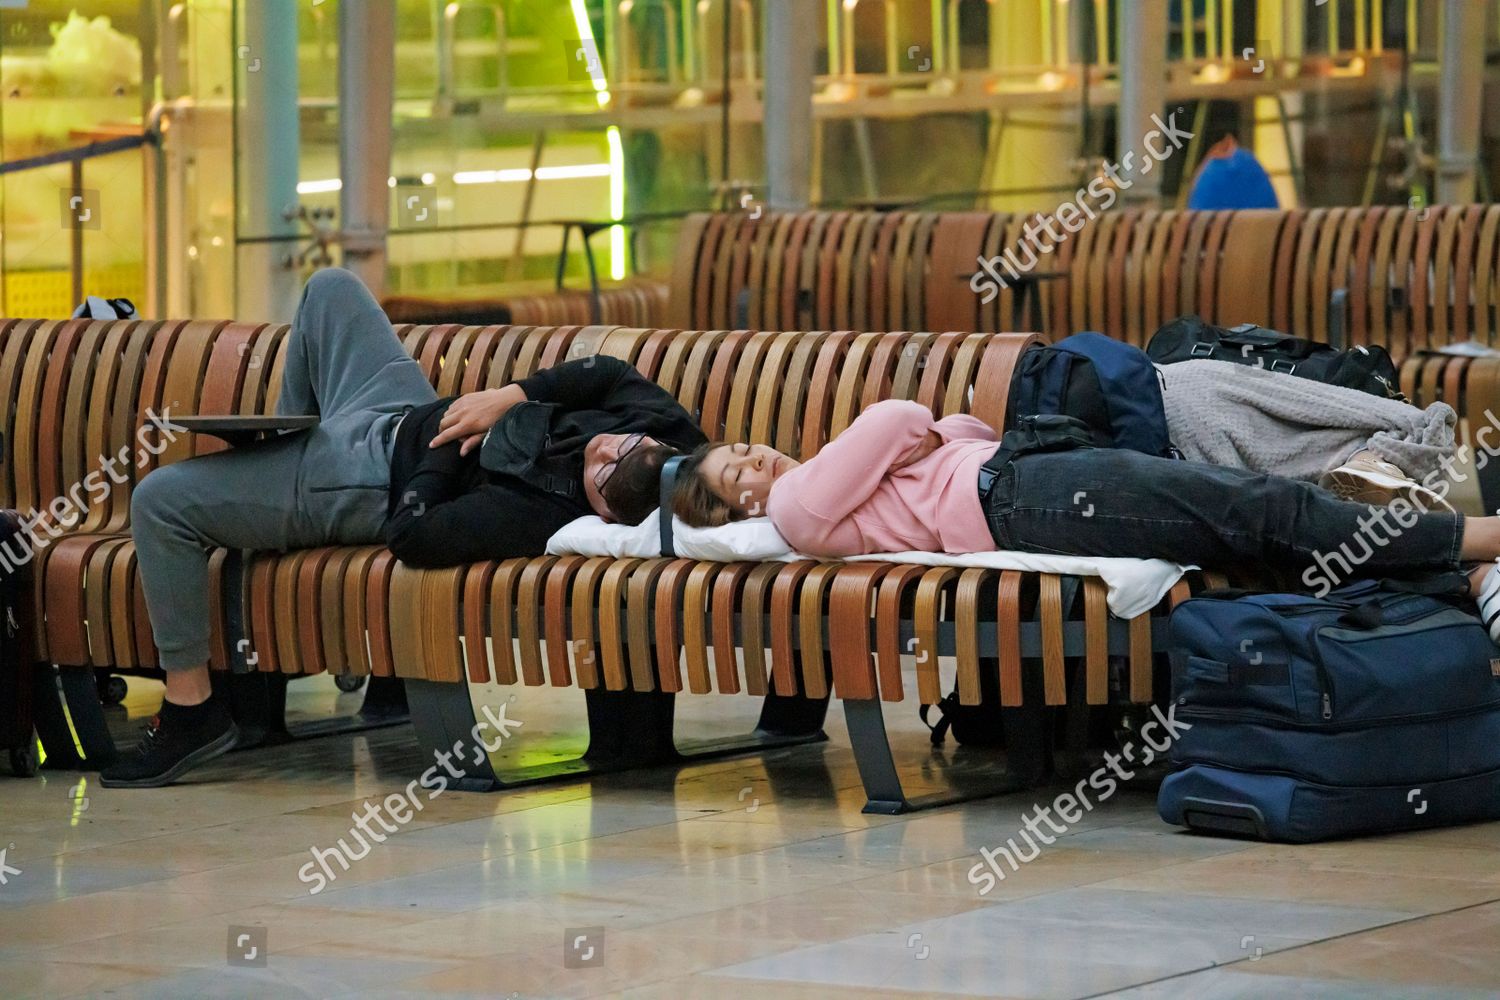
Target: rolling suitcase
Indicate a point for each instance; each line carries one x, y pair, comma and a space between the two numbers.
17, 731
1370, 710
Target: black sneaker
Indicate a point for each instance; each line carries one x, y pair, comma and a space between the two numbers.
176, 741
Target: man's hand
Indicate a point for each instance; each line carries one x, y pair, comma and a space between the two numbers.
473, 414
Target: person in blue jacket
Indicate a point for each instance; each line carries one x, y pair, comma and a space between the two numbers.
1231, 177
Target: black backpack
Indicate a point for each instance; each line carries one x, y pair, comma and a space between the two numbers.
1366, 368
1109, 385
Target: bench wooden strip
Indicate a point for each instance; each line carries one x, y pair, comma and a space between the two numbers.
612, 632
925, 617
398, 640
554, 622
668, 623
123, 624
694, 625
966, 630
1054, 673
331, 610
1140, 658
812, 607
895, 587
260, 620
1008, 637
640, 595
723, 604
754, 610
476, 620
1096, 640
502, 602
528, 618
442, 653
784, 605
379, 610
284, 579
850, 603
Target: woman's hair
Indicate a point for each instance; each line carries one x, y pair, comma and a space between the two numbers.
693, 501
633, 490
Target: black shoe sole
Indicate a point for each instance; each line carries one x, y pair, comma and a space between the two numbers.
202, 755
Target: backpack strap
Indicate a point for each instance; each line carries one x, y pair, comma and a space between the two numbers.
939, 732
664, 511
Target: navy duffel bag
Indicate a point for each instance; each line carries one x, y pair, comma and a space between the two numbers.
1369, 710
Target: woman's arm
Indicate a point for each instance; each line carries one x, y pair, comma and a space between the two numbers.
832, 484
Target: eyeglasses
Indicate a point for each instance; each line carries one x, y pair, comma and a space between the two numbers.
603, 475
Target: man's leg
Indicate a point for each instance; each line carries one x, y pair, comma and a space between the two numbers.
1111, 502
244, 498
343, 356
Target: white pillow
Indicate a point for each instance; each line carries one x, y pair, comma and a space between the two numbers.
752, 540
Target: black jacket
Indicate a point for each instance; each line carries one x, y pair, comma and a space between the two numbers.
505, 498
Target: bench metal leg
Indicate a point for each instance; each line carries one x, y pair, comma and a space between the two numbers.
791, 716
627, 730
443, 717
877, 768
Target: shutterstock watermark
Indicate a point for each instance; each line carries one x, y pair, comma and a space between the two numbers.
1159, 145
402, 806
1376, 531
68, 509
1072, 806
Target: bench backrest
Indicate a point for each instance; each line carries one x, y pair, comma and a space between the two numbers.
74, 391
1414, 279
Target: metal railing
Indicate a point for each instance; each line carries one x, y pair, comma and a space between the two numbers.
80, 210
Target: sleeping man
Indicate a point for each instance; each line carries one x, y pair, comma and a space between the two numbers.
486, 475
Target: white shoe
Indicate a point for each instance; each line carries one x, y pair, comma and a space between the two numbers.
1366, 479
1489, 602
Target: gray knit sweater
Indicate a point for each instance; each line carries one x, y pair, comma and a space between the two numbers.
1250, 418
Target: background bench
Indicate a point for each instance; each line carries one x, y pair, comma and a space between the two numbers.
1411, 280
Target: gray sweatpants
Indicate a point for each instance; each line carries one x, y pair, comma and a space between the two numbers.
324, 486
1221, 413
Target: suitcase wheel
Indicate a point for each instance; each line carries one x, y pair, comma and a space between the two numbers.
24, 761
112, 690
349, 682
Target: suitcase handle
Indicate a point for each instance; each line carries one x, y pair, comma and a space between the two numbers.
1239, 819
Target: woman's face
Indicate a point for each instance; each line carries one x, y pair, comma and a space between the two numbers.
600, 456
742, 475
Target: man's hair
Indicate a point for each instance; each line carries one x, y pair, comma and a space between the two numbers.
633, 490
693, 500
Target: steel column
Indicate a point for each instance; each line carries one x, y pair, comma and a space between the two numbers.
270, 157
790, 48
1143, 89
1460, 94
367, 94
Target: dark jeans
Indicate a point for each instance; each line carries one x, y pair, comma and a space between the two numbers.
1112, 502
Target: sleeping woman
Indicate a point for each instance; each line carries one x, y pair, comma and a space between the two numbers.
897, 479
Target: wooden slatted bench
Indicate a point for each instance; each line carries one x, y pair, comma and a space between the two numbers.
629, 631
1410, 280
1413, 280
638, 303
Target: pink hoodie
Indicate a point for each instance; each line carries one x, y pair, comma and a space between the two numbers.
847, 500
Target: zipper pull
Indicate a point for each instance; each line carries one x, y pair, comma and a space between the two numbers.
12, 626
1327, 706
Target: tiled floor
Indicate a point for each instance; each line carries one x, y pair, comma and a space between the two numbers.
749, 877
